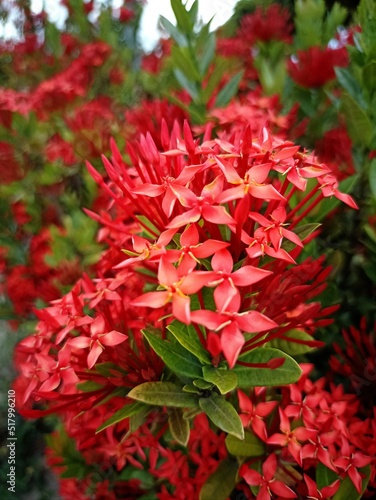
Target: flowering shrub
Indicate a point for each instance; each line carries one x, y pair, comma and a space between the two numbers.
184, 322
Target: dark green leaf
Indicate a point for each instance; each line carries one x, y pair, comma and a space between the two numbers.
89, 386
288, 373
179, 426
137, 419
224, 379
372, 177
324, 476
303, 232
251, 446
359, 126
214, 79
202, 384
290, 347
369, 77
228, 91
347, 490
222, 414
163, 394
221, 483
118, 416
187, 337
175, 356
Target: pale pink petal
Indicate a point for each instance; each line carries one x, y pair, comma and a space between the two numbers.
151, 299
113, 338
181, 308
247, 275
253, 322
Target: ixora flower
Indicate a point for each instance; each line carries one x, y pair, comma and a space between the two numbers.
202, 284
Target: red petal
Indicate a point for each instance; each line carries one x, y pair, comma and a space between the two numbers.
94, 354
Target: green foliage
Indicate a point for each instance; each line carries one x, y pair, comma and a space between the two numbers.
250, 446
249, 376
222, 414
221, 483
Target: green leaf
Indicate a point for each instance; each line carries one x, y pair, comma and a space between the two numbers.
224, 379
221, 483
251, 446
137, 419
324, 476
293, 348
186, 84
369, 76
118, 416
183, 60
163, 394
182, 16
179, 38
179, 426
214, 79
228, 91
222, 414
359, 126
202, 384
175, 356
89, 386
347, 490
348, 82
187, 337
288, 373
372, 177
303, 232
208, 54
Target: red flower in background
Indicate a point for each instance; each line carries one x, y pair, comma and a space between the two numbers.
266, 24
314, 67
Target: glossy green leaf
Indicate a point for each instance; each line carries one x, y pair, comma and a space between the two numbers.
222, 414
290, 347
202, 384
347, 490
118, 416
137, 419
224, 379
302, 232
187, 337
358, 124
175, 356
179, 426
251, 446
288, 373
221, 483
163, 394
324, 476
228, 91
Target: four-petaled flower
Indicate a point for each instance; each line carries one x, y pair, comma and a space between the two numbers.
266, 481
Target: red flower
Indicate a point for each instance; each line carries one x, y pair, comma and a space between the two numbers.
266, 481
266, 24
315, 66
